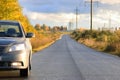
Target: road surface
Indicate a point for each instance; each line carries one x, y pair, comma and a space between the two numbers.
68, 60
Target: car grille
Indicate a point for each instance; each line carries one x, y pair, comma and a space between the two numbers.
4, 64
2, 48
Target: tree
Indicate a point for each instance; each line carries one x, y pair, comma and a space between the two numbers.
61, 28
45, 27
11, 10
37, 27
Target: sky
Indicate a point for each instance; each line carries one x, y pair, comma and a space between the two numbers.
106, 13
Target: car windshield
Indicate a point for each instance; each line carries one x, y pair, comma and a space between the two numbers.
10, 30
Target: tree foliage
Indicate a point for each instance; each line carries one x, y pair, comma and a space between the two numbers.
11, 10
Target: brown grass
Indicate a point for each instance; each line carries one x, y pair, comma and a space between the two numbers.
103, 41
112, 48
42, 40
99, 45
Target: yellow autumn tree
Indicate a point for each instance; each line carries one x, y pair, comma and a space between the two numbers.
11, 10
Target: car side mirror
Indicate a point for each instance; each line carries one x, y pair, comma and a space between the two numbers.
30, 35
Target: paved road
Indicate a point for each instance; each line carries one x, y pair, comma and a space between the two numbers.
68, 60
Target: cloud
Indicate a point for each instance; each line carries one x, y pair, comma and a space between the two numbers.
99, 19
60, 17
106, 17
50, 6
110, 1
60, 12
57, 19
50, 18
106, 1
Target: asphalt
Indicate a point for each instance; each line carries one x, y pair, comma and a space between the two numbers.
68, 60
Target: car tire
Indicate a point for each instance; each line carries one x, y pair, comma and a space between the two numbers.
30, 67
29, 64
24, 72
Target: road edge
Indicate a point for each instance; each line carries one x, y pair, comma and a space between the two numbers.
47, 45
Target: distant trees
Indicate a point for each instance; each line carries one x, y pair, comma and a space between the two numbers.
48, 28
37, 27
45, 27
60, 28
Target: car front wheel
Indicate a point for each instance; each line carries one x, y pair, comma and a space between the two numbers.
24, 72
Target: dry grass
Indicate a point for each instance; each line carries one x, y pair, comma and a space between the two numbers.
37, 42
99, 45
112, 48
43, 40
100, 40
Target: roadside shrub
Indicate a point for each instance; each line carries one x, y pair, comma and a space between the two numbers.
101, 40
110, 48
114, 48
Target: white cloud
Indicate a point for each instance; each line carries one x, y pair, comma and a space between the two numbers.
107, 17
110, 1
49, 18
52, 19
107, 1
60, 17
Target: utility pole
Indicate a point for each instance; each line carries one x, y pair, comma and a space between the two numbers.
69, 25
109, 22
91, 14
76, 17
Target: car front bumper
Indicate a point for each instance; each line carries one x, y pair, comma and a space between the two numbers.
14, 60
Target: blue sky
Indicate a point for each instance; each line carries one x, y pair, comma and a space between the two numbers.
61, 12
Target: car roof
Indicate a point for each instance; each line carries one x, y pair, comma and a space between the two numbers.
9, 21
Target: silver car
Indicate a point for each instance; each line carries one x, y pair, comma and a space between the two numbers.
15, 48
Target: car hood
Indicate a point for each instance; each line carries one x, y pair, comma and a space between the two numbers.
9, 41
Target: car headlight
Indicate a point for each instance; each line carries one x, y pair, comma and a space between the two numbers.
17, 47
